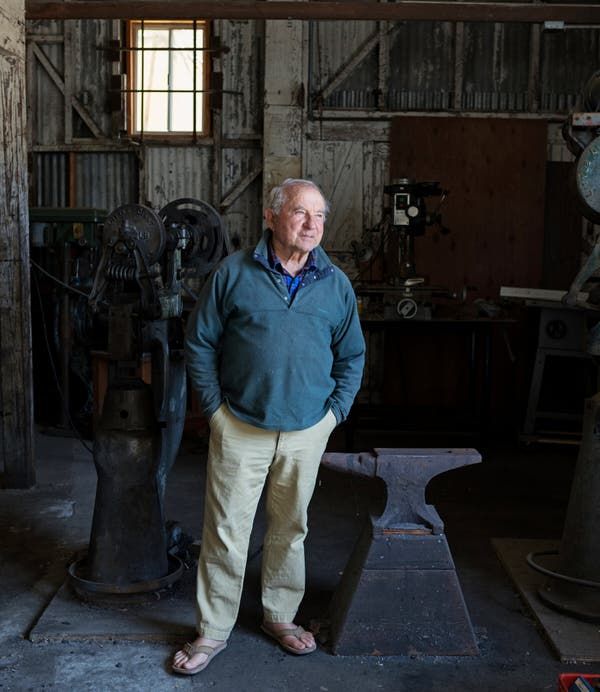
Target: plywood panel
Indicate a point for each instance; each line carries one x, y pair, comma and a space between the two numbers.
495, 171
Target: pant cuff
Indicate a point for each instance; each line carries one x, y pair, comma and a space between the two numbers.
209, 632
279, 617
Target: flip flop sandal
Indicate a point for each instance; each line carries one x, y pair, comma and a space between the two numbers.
191, 650
289, 632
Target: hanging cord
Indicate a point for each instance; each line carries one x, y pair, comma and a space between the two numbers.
49, 350
57, 280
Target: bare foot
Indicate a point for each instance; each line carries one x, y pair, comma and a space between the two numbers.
300, 642
183, 660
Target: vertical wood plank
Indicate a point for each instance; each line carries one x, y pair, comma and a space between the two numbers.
16, 400
68, 77
285, 83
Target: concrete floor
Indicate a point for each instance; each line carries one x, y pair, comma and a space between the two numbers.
515, 492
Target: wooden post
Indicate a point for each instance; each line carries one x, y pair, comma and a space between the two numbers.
16, 377
285, 85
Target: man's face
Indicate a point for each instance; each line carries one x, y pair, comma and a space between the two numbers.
298, 227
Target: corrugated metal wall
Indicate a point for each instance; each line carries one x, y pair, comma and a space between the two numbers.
495, 64
496, 67
421, 67
419, 63
105, 180
173, 172
49, 180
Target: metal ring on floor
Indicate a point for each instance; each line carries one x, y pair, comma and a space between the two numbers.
175, 572
557, 575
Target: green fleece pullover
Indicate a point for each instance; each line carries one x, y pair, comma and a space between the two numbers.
280, 364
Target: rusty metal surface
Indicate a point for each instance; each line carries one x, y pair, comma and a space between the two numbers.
87, 586
575, 587
406, 473
128, 541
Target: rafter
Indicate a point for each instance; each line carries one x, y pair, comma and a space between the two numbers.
431, 10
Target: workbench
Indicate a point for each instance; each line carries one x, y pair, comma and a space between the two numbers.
429, 375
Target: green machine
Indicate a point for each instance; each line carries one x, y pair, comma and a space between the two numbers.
64, 248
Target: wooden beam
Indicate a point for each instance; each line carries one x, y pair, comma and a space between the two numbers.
239, 188
17, 467
426, 10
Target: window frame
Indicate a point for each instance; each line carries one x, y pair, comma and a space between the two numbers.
133, 85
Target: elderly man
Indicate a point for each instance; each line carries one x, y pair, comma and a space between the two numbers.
275, 352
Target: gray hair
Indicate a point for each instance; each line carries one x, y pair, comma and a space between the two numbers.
279, 193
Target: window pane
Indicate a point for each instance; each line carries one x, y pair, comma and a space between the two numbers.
184, 38
171, 71
156, 110
156, 63
182, 67
182, 114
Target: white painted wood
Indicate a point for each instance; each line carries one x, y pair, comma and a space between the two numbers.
285, 80
284, 62
338, 168
16, 389
283, 131
59, 82
537, 294
242, 68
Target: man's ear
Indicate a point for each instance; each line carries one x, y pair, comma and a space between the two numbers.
269, 216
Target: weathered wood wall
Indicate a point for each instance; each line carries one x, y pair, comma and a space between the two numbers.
16, 400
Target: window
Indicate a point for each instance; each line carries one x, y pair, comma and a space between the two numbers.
168, 72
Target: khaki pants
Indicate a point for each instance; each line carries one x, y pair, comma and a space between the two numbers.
241, 458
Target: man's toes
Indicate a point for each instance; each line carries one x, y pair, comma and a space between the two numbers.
196, 660
301, 642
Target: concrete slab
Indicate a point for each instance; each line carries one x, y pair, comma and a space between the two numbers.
166, 619
573, 641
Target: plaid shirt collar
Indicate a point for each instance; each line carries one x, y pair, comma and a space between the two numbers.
275, 262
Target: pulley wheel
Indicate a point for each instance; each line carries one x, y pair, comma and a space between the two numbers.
203, 228
587, 180
140, 224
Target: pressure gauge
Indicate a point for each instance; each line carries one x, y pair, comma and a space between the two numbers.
407, 308
412, 211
